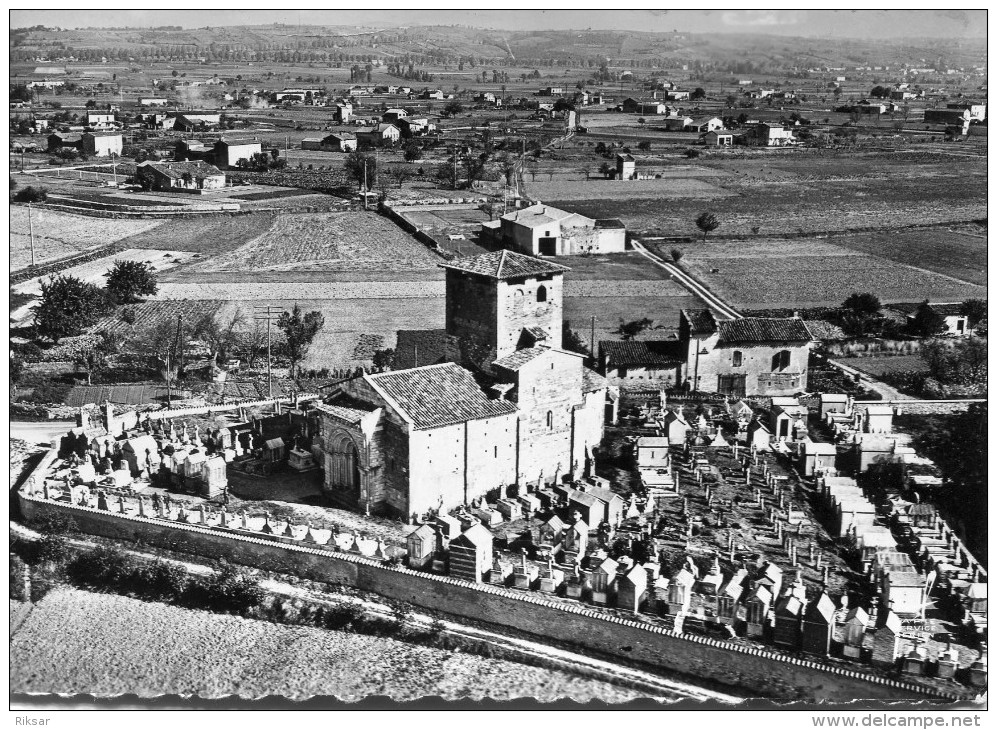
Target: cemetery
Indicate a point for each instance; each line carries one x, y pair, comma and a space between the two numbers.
798, 547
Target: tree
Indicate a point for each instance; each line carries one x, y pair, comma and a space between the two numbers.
299, 330
707, 222
453, 108
355, 164
68, 306
129, 280
879, 92
474, 168
412, 152
629, 330
974, 310
644, 145
698, 93
865, 304
220, 335
92, 357
31, 194
448, 174
927, 322
384, 359
676, 254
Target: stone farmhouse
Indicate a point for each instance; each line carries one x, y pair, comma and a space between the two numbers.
184, 176
101, 144
738, 357
506, 405
541, 230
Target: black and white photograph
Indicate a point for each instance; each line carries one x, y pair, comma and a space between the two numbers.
496, 359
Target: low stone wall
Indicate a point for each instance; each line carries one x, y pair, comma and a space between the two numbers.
757, 670
925, 407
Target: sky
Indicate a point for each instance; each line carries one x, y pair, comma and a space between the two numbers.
805, 23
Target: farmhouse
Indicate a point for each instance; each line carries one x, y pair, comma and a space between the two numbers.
519, 409
642, 364
391, 116
414, 127
382, 134
101, 144
153, 102
771, 135
956, 323
705, 124
626, 167
191, 121
229, 153
58, 140
761, 356
977, 111
184, 176
677, 95
868, 107
644, 106
718, 138
676, 123
337, 142
954, 117
100, 119
546, 231
344, 111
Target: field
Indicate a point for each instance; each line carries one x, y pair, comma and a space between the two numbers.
877, 366
609, 310
77, 642
565, 191
93, 271
210, 235
355, 241
947, 252
60, 234
151, 313
816, 280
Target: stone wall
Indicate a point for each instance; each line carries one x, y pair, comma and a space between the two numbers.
757, 670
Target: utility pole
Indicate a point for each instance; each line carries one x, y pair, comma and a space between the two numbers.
31, 235
592, 338
266, 314
365, 183
169, 391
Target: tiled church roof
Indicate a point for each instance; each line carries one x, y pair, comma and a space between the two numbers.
505, 265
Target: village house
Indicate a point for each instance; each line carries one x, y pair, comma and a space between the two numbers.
546, 231
434, 94
645, 107
392, 116
101, 144
551, 91
676, 123
977, 111
771, 135
747, 355
229, 153
184, 176
337, 142
518, 409
59, 140
153, 102
642, 364
870, 107
343, 112
676, 95
415, 126
100, 119
956, 323
718, 138
705, 124
626, 167
382, 134
194, 121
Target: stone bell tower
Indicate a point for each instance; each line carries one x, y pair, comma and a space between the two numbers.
503, 301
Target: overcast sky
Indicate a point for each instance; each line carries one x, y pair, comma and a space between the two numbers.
825, 23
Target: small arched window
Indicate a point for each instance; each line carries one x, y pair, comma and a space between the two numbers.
550, 420
780, 361
542, 294
737, 358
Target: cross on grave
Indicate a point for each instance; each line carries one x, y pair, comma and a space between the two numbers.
243, 520
141, 506
825, 575
121, 504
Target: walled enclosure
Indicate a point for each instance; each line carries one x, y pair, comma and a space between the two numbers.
757, 670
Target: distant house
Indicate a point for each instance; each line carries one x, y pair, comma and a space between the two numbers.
705, 124
153, 102
647, 107
414, 126
311, 143
382, 134
677, 95
344, 111
977, 111
546, 231
676, 123
956, 323
101, 144
391, 116
191, 121
951, 117
869, 107
229, 153
551, 91
100, 119
434, 94
626, 167
58, 140
184, 176
772, 135
339, 142
718, 138
901, 95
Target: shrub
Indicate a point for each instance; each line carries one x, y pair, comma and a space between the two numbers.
18, 587
31, 194
101, 567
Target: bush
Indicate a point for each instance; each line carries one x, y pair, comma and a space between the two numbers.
18, 587
31, 194
692, 153
102, 567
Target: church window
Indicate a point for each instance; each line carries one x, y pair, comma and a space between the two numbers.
737, 358
550, 421
780, 361
542, 294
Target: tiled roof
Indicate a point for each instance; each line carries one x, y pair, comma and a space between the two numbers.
592, 381
757, 329
505, 265
438, 395
701, 321
176, 170
643, 352
350, 415
517, 359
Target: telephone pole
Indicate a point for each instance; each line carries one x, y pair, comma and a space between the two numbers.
266, 314
31, 235
592, 339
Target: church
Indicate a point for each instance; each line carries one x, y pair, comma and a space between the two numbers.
498, 403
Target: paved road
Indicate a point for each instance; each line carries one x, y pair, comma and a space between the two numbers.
39, 432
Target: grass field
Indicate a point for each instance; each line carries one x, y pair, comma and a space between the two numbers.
609, 310
820, 280
77, 642
877, 366
211, 235
946, 252
60, 234
150, 313
353, 241
565, 191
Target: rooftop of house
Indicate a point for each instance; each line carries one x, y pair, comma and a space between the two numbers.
628, 353
745, 330
437, 395
238, 142
519, 358
504, 265
341, 135
539, 215
176, 170
701, 321
102, 134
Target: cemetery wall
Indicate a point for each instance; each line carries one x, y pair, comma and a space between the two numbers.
754, 669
